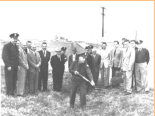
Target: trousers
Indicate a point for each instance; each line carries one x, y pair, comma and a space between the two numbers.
127, 76
141, 76
33, 81
11, 80
43, 78
105, 76
82, 89
57, 80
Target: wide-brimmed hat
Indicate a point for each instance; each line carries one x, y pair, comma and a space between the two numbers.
33, 45
58, 50
81, 54
90, 47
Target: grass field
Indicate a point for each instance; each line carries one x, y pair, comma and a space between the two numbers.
104, 102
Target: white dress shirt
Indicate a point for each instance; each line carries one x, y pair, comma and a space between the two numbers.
105, 57
74, 57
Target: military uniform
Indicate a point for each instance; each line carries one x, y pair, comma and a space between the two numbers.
11, 59
78, 82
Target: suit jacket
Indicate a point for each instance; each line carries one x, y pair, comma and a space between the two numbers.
70, 60
57, 64
116, 58
23, 64
96, 61
89, 60
44, 60
33, 60
128, 59
10, 55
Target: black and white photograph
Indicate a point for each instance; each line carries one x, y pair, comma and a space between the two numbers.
77, 58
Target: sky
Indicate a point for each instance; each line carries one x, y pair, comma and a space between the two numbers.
78, 20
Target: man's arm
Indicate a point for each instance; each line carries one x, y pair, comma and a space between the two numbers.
88, 71
39, 60
52, 62
147, 56
21, 62
69, 60
5, 56
110, 57
120, 61
99, 60
49, 56
132, 59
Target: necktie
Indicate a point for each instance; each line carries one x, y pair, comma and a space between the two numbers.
44, 53
126, 49
114, 52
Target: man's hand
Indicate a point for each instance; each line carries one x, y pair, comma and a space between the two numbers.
92, 83
129, 68
18, 67
27, 67
76, 72
36, 66
119, 66
9, 68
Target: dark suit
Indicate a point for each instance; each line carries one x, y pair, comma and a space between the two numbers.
10, 56
58, 70
43, 75
89, 60
96, 67
116, 60
70, 60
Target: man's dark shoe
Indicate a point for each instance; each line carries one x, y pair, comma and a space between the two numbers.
147, 92
71, 106
127, 93
106, 87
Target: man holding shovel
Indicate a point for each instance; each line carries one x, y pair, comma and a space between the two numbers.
79, 69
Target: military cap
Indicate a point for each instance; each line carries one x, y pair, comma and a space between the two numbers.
14, 35
90, 47
86, 47
104, 43
140, 41
63, 49
133, 41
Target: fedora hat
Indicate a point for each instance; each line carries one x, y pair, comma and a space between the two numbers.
58, 50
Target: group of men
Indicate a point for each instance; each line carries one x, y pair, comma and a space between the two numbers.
26, 70
130, 60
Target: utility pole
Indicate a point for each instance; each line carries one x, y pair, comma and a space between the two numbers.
102, 21
136, 36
